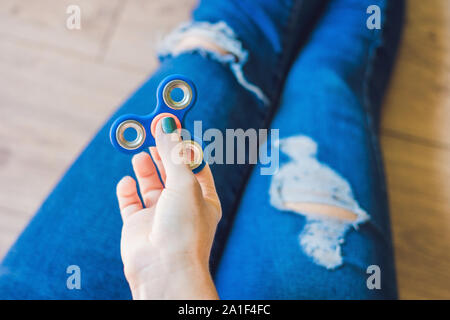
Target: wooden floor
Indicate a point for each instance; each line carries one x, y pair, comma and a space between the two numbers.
56, 82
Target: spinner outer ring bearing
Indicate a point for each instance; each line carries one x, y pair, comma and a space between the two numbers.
197, 150
136, 143
187, 94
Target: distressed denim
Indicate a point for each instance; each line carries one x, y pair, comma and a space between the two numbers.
338, 70
328, 114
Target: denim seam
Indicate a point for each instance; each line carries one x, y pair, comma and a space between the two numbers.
368, 105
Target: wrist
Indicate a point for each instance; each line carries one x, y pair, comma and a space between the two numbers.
185, 278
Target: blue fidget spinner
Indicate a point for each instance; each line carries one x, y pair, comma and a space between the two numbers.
166, 106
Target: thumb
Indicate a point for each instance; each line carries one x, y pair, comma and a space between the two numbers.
168, 144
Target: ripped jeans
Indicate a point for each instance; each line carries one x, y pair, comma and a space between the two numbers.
312, 69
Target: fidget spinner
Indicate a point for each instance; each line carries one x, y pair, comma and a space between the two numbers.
175, 95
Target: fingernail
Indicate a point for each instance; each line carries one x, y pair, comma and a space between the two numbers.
168, 125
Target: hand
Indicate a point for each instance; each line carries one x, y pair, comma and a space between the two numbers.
166, 242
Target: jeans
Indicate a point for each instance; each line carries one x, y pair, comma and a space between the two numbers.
311, 69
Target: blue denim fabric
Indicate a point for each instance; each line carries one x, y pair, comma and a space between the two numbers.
332, 95
271, 31
79, 223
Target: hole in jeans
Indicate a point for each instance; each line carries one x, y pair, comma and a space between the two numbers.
216, 41
321, 210
324, 198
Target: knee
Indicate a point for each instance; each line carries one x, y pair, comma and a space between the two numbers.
321, 210
192, 42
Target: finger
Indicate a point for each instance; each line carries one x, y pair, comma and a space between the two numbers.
206, 181
128, 197
168, 145
158, 162
149, 184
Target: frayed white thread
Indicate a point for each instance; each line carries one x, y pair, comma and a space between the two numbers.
220, 34
305, 180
